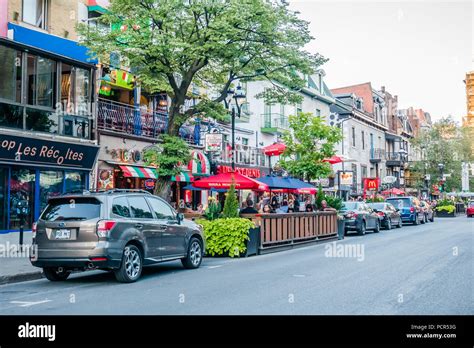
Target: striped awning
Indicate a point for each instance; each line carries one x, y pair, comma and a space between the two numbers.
139, 172
199, 164
183, 177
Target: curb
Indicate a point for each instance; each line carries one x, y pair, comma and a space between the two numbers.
23, 277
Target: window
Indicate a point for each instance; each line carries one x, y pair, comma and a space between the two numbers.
41, 79
299, 108
363, 171
363, 140
353, 136
318, 112
51, 185
66, 209
140, 208
75, 181
120, 207
245, 141
282, 110
10, 71
74, 90
35, 12
161, 209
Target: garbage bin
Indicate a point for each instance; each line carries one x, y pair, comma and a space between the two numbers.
341, 226
252, 243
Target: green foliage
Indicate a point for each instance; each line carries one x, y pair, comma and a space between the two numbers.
226, 236
167, 155
320, 196
334, 202
376, 199
310, 141
446, 208
213, 209
447, 143
231, 204
173, 45
444, 202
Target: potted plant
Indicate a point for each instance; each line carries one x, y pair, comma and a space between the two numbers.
336, 203
445, 208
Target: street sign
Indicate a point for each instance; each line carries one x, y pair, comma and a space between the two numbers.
213, 142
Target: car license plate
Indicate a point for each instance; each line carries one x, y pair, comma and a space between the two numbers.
63, 234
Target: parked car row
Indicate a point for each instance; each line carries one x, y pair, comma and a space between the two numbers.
394, 212
116, 230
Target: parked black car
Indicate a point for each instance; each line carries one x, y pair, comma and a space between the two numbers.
427, 211
360, 217
117, 230
388, 215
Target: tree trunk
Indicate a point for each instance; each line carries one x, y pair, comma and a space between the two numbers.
163, 189
175, 116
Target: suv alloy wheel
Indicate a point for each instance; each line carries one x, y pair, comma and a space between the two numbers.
131, 266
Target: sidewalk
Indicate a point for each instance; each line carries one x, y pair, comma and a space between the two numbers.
15, 266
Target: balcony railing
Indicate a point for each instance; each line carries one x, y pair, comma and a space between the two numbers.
124, 118
376, 155
273, 123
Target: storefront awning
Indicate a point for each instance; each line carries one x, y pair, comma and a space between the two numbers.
139, 172
199, 164
183, 177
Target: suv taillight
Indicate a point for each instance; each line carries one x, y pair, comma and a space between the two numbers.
412, 209
103, 228
381, 213
33, 230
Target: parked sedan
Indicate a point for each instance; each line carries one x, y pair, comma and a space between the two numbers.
388, 215
409, 208
427, 211
360, 217
470, 209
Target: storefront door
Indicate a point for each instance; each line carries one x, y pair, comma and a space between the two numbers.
3, 198
22, 188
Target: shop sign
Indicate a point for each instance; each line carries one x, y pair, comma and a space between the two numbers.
346, 178
41, 152
149, 184
250, 172
371, 183
213, 142
127, 156
106, 179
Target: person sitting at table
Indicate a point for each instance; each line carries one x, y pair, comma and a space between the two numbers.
249, 209
325, 207
267, 209
200, 208
309, 207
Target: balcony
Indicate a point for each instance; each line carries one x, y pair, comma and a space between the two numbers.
274, 123
376, 155
123, 118
394, 159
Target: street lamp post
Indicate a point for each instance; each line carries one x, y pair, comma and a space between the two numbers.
234, 101
441, 174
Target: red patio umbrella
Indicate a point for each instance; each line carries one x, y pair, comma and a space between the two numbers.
333, 160
274, 149
393, 191
224, 180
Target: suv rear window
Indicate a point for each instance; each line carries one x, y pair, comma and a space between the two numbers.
72, 209
400, 202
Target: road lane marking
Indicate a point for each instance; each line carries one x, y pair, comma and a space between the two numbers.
299, 275
211, 267
28, 304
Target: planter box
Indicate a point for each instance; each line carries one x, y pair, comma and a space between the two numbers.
445, 214
253, 242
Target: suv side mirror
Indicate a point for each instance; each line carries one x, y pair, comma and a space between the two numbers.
179, 217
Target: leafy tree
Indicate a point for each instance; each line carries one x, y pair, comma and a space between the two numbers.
447, 143
308, 143
231, 204
167, 157
175, 44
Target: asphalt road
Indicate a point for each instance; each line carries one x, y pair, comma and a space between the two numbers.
426, 269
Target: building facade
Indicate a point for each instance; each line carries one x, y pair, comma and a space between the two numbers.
48, 145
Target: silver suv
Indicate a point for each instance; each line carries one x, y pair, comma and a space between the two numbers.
119, 230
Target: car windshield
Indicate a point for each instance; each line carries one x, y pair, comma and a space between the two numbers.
378, 206
400, 202
350, 206
72, 209
471, 204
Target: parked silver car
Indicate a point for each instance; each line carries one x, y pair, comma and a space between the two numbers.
119, 230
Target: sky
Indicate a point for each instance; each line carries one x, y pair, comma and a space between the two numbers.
419, 50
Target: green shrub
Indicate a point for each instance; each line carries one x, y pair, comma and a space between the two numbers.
213, 209
447, 208
334, 202
376, 199
444, 202
226, 235
320, 196
231, 204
